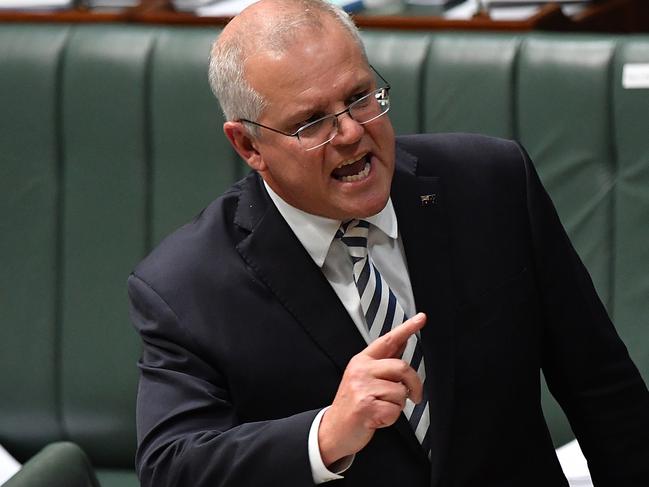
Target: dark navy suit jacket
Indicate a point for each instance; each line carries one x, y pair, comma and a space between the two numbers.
245, 340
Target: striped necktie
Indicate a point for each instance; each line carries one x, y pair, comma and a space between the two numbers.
382, 312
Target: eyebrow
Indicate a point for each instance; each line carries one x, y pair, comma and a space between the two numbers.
361, 85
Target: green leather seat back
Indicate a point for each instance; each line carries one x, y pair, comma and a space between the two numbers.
631, 257
29, 236
547, 92
112, 477
399, 57
192, 161
110, 138
470, 83
59, 464
104, 107
565, 124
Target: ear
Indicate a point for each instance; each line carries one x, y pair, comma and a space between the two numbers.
244, 144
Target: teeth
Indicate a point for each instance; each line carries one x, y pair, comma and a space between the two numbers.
357, 177
351, 161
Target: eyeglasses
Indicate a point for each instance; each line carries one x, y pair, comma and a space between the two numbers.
321, 131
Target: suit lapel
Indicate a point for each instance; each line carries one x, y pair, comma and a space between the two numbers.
273, 251
419, 204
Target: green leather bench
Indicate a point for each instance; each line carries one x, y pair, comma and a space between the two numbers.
110, 138
59, 464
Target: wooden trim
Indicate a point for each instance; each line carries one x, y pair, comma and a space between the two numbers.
602, 16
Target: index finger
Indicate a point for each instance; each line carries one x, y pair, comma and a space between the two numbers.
390, 344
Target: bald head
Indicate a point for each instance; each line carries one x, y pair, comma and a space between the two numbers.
273, 25
268, 27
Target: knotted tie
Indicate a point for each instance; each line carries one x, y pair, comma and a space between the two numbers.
382, 312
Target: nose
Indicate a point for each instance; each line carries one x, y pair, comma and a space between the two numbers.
349, 130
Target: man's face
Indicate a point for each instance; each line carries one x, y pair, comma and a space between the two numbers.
320, 75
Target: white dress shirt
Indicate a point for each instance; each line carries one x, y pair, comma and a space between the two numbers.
316, 234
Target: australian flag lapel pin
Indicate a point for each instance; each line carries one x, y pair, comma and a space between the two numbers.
428, 199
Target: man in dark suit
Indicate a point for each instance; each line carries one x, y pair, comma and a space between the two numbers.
261, 362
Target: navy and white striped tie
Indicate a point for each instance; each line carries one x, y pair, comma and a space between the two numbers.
382, 312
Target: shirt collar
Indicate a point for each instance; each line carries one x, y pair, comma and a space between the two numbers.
316, 233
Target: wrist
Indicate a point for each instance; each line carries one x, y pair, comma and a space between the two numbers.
322, 473
332, 445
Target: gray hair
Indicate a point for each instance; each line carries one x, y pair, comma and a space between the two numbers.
229, 53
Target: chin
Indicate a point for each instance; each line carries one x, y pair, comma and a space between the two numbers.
368, 209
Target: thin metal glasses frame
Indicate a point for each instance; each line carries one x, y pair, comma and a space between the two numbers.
333, 115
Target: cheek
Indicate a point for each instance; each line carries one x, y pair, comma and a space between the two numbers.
304, 176
383, 136
286, 164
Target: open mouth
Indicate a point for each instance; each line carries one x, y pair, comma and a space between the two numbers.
353, 170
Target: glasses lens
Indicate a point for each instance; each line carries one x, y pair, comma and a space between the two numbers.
363, 110
317, 133
371, 106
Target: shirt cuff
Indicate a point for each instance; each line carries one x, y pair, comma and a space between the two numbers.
319, 471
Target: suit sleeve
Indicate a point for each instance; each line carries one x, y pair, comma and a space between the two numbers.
585, 363
188, 430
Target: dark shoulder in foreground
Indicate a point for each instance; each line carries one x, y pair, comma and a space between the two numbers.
210, 238
455, 153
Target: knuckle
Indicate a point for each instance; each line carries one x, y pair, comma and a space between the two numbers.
385, 416
389, 340
355, 366
404, 367
366, 401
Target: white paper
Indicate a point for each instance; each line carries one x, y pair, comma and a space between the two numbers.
34, 4
428, 3
574, 465
463, 11
466, 11
635, 75
514, 13
8, 466
519, 3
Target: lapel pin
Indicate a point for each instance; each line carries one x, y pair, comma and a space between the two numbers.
428, 199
